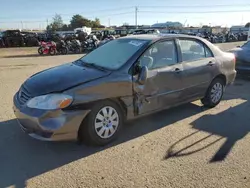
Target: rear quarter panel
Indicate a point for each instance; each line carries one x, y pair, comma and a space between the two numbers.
225, 62
227, 66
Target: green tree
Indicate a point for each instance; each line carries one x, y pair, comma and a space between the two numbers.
206, 26
57, 23
66, 27
79, 21
48, 28
96, 23
247, 24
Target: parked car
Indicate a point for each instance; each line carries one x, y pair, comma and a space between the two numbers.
90, 98
242, 54
13, 38
1, 40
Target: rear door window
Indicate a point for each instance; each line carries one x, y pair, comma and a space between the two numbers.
192, 50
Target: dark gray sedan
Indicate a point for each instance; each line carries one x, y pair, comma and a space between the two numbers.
242, 54
127, 78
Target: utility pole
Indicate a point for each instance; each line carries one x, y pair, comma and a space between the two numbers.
109, 22
47, 22
136, 11
22, 25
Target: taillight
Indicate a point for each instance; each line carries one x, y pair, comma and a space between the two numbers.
234, 59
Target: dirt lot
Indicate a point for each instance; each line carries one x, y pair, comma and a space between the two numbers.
187, 146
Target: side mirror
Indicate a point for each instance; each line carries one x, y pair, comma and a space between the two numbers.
143, 75
238, 46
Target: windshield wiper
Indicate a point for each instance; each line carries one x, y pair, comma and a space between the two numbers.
94, 66
79, 61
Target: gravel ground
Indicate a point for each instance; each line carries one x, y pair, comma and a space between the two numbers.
187, 146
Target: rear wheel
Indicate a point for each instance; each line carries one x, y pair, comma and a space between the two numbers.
52, 51
64, 51
77, 50
40, 50
102, 124
214, 93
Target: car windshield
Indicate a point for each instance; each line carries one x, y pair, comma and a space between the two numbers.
115, 53
246, 45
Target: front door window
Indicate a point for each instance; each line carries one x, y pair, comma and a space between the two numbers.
161, 54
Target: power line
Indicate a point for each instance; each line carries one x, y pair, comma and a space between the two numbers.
86, 12
142, 7
195, 12
46, 20
197, 6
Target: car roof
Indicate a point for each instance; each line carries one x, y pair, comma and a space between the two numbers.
155, 37
158, 36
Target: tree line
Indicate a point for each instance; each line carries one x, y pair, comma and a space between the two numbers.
75, 22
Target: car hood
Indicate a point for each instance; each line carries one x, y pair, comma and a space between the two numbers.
241, 54
235, 49
60, 78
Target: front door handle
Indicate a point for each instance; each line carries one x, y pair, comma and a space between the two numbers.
177, 70
211, 63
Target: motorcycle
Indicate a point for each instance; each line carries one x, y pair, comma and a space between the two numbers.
90, 44
74, 46
106, 40
61, 47
47, 48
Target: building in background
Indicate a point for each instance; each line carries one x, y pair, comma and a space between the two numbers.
239, 29
167, 25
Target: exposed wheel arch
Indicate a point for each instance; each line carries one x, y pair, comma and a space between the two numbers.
222, 77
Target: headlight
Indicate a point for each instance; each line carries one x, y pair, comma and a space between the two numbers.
50, 102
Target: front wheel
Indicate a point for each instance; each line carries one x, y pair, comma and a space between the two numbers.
214, 93
102, 124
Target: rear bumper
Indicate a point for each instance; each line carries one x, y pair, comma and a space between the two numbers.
55, 125
231, 77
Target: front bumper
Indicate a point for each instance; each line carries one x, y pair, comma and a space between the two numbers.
53, 125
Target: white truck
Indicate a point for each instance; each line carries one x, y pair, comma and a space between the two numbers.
83, 29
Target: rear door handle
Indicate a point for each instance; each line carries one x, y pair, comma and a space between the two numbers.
211, 63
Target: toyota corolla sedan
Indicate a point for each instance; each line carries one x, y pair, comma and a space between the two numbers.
90, 98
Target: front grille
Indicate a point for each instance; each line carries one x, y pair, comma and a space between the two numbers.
23, 95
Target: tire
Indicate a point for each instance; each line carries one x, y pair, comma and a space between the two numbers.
40, 50
52, 51
64, 51
77, 50
216, 88
93, 131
